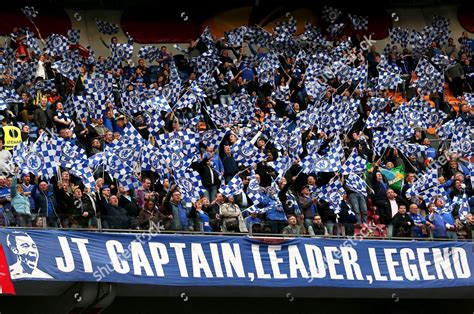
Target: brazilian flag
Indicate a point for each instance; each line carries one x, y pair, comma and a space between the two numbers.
394, 176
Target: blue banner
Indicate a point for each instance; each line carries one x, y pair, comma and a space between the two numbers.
181, 260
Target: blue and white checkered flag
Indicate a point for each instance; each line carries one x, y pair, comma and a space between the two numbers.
74, 158
236, 36
254, 190
354, 164
281, 166
8, 96
106, 28
190, 185
331, 193
463, 203
356, 184
122, 52
70, 68
149, 53
428, 180
246, 153
329, 162
32, 43
469, 98
56, 45
462, 143
74, 36
29, 12
331, 14
213, 138
234, 187
359, 22
99, 84
42, 157
187, 100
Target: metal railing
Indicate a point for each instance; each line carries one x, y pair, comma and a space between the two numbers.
156, 230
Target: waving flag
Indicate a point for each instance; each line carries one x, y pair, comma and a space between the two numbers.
100, 84
254, 190
331, 193
56, 44
359, 22
149, 53
213, 138
329, 162
69, 68
331, 14
281, 166
191, 186
354, 164
122, 52
106, 28
74, 158
246, 153
234, 187
356, 184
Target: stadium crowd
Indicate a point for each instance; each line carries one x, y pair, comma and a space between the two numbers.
303, 135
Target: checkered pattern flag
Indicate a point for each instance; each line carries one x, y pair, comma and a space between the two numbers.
74, 36
281, 166
331, 14
356, 184
149, 53
42, 157
32, 43
121, 171
106, 28
469, 98
99, 84
246, 153
152, 159
187, 100
8, 96
19, 154
329, 162
388, 80
182, 141
29, 12
234, 187
440, 22
463, 203
254, 190
122, 52
24, 72
56, 45
359, 22
70, 69
354, 164
335, 29
213, 138
89, 106
74, 158
428, 180
190, 185
331, 193
461, 142
236, 36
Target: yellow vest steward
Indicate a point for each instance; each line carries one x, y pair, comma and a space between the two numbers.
12, 136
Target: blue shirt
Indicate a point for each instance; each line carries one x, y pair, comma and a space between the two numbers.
205, 222
417, 219
183, 216
249, 221
440, 227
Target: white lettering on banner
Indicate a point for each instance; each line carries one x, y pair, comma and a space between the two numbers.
424, 263
232, 260
443, 263
66, 263
332, 262
178, 249
274, 261
114, 248
258, 262
216, 260
315, 261
391, 264
199, 261
461, 266
375, 265
410, 270
159, 259
86, 260
140, 260
295, 262
349, 259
